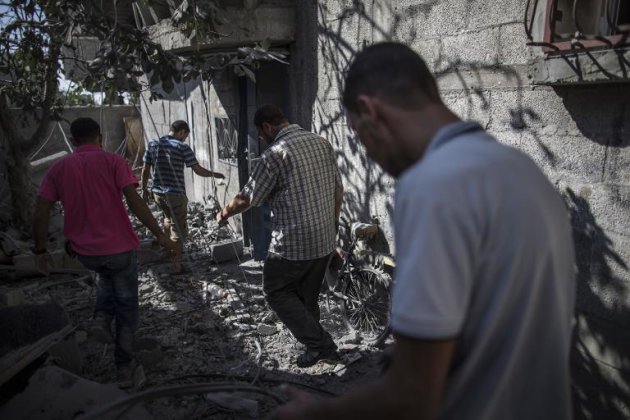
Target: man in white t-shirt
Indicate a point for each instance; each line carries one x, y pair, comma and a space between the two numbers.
484, 289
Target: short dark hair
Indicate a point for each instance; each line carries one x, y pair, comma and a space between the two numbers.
84, 130
180, 125
271, 114
392, 71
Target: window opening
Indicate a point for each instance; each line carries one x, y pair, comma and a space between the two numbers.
227, 140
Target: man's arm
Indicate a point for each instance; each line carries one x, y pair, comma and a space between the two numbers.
139, 207
412, 388
40, 223
238, 204
41, 217
338, 201
201, 171
144, 180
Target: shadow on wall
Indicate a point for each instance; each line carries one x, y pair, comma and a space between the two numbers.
367, 188
600, 390
585, 103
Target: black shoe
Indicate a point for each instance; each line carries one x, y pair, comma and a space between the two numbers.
311, 357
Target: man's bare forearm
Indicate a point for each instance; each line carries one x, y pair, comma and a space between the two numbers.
201, 171
146, 174
141, 210
338, 201
40, 223
237, 205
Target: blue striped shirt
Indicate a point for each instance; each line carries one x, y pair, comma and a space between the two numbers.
167, 157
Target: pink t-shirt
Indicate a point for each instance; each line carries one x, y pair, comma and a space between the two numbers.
89, 184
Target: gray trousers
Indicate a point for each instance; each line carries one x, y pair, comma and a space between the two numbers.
292, 290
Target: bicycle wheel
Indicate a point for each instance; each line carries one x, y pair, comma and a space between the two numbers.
367, 306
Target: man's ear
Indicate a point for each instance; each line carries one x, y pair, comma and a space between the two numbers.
267, 129
367, 110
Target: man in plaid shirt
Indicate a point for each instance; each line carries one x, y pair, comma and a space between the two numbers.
298, 176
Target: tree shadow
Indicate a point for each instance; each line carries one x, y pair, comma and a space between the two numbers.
600, 354
368, 191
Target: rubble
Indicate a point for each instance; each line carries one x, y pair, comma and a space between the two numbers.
53, 393
210, 324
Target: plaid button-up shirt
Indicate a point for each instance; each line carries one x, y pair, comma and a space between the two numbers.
297, 175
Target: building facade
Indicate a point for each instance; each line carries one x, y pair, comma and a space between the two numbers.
538, 76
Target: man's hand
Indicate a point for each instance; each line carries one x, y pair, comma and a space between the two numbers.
222, 219
301, 405
43, 263
167, 243
218, 175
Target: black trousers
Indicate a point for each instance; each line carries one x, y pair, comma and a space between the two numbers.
292, 290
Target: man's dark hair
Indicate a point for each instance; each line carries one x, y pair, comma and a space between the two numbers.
84, 130
269, 114
180, 125
392, 71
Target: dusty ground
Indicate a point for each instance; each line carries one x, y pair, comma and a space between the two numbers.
187, 336
211, 325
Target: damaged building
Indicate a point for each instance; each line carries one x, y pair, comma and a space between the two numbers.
549, 77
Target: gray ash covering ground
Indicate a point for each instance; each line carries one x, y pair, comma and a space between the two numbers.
186, 335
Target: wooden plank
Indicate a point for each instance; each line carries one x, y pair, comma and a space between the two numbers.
12, 363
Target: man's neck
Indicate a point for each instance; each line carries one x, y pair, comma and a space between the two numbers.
279, 128
416, 129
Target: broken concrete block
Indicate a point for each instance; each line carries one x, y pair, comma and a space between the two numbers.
226, 250
11, 297
53, 393
264, 329
235, 402
351, 338
148, 351
80, 336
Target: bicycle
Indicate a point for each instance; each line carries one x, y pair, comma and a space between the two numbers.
362, 291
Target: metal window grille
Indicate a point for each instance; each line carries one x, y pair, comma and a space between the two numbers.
579, 24
227, 139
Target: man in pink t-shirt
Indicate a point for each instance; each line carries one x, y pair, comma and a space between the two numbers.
90, 183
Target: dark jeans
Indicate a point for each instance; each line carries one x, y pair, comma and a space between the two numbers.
117, 297
292, 290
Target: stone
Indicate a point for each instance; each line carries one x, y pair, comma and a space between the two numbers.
146, 288
54, 393
351, 338
80, 336
11, 297
266, 330
226, 250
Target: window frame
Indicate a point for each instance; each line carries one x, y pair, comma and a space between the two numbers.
561, 47
233, 158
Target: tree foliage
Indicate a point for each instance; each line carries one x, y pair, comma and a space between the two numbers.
37, 36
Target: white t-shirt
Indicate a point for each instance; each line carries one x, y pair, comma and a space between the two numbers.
485, 255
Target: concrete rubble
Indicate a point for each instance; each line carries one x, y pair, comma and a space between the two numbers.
211, 325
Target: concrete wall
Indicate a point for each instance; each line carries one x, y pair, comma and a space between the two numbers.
110, 119
578, 135
198, 102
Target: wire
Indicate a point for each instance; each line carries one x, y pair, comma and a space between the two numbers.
249, 378
173, 390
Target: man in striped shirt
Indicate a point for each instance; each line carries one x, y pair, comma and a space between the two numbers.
298, 176
165, 159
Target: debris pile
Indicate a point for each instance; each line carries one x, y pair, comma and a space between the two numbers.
211, 325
